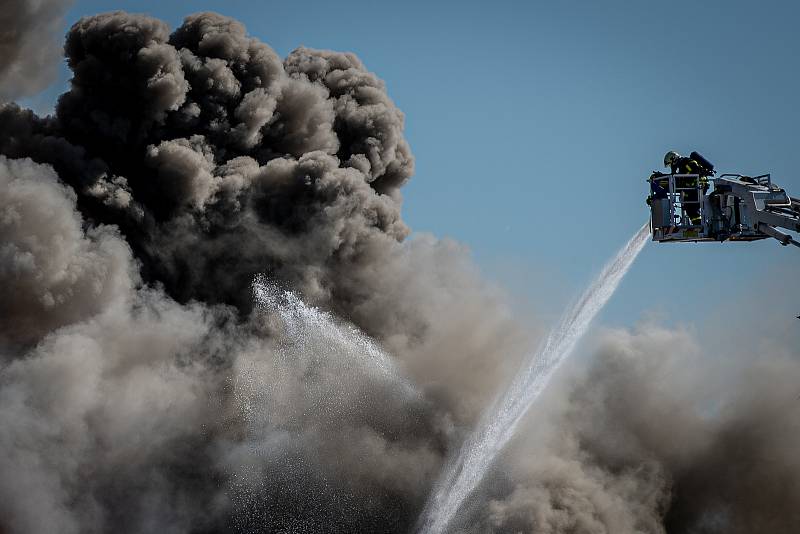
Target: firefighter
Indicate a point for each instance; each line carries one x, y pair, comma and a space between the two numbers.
694, 164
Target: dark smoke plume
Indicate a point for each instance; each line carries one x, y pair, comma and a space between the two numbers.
142, 391
217, 160
139, 390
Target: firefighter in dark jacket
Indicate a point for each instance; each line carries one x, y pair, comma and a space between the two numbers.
694, 164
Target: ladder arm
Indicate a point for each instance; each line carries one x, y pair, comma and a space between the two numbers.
768, 219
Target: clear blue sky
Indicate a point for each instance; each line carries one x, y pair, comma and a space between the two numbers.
535, 124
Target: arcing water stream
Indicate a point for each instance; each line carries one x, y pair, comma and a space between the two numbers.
463, 474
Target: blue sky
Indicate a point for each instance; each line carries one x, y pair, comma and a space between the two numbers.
535, 125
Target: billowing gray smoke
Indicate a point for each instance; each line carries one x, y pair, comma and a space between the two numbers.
653, 438
140, 391
29, 31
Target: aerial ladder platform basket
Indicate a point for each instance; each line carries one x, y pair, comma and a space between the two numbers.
739, 208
